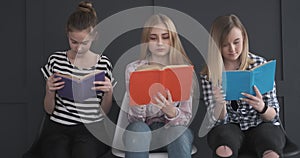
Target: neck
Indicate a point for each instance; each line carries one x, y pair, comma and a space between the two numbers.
84, 60
159, 59
232, 65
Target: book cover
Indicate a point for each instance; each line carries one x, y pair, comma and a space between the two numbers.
79, 89
146, 83
236, 82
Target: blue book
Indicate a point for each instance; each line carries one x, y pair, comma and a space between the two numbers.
236, 82
79, 89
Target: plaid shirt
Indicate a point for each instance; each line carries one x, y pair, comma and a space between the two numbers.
151, 113
246, 116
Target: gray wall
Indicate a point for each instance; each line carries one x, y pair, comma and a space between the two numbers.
32, 30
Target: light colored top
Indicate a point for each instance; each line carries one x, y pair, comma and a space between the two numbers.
151, 113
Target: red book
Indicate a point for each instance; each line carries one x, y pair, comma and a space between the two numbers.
145, 83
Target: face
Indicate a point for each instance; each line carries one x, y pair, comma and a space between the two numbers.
233, 45
79, 41
159, 41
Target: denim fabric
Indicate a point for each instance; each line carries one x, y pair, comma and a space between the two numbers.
139, 144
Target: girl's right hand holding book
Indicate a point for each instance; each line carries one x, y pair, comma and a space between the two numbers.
53, 83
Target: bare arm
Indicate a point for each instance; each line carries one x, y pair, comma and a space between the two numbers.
106, 87
258, 104
51, 86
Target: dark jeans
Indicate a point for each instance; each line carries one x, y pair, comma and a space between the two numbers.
60, 141
176, 140
265, 136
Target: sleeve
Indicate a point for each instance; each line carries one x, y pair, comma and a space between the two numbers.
135, 113
47, 70
108, 66
184, 113
208, 100
270, 99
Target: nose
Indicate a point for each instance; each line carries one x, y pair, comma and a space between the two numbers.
231, 47
160, 41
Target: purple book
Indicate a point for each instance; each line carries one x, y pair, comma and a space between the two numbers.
79, 89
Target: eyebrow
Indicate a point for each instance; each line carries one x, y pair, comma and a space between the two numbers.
237, 39
78, 41
161, 34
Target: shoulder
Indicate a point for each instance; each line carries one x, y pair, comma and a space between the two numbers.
58, 55
104, 60
133, 65
203, 77
256, 60
103, 57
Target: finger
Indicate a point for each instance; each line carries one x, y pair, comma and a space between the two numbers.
161, 97
56, 84
157, 105
159, 102
55, 79
169, 96
107, 79
257, 92
250, 96
251, 102
56, 88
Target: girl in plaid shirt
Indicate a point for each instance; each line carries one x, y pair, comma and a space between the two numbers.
252, 121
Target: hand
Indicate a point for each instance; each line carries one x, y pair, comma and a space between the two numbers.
166, 104
218, 96
104, 86
255, 101
53, 84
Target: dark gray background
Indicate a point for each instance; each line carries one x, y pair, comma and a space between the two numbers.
32, 30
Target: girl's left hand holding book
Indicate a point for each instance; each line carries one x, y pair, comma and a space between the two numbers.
104, 86
166, 104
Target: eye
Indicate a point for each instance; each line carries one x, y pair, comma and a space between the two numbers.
236, 42
85, 42
165, 36
224, 45
152, 38
74, 42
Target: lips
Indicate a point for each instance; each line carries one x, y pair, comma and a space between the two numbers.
160, 49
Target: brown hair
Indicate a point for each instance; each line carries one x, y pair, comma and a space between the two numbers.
84, 17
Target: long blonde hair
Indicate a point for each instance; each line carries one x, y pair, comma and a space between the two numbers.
177, 54
219, 31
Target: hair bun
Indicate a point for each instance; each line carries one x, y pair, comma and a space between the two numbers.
85, 6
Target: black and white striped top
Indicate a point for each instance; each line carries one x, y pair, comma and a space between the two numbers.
66, 111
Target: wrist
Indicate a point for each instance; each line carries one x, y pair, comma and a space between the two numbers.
263, 111
177, 113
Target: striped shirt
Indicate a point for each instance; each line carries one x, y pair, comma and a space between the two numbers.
245, 115
69, 112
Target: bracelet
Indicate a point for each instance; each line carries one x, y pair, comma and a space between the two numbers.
264, 109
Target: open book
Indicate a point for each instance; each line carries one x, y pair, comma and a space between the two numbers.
236, 82
79, 89
147, 81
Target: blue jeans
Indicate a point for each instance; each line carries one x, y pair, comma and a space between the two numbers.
176, 140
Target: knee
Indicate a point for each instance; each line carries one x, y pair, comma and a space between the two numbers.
270, 154
183, 140
224, 151
138, 127
137, 137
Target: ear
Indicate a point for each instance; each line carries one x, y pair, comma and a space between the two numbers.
94, 35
